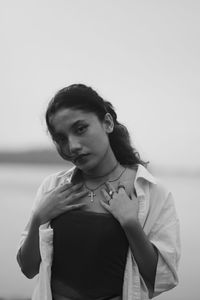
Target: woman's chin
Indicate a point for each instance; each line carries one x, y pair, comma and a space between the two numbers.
84, 164
87, 167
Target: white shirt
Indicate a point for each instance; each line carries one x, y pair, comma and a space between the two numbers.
158, 218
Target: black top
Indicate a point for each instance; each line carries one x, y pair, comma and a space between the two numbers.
89, 256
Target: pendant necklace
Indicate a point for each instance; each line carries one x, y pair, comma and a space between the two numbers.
92, 194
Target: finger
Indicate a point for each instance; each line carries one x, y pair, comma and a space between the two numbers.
105, 205
106, 195
64, 186
121, 187
75, 206
75, 196
72, 188
109, 186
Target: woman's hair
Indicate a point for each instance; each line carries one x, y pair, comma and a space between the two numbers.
79, 96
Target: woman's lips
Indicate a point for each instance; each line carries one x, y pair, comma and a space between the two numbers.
81, 158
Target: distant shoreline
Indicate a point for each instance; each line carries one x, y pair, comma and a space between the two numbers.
50, 157
44, 156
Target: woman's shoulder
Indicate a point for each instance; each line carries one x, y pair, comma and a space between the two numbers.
159, 192
146, 177
153, 191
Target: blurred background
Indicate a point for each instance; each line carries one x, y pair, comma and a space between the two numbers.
143, 56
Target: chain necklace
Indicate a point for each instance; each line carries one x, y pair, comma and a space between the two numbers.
91, 193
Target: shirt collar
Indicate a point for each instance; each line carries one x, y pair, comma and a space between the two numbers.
142, 176
74, 174
143, 173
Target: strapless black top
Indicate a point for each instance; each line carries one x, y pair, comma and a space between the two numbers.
89, 255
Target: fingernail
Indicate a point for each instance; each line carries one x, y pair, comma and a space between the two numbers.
103, 191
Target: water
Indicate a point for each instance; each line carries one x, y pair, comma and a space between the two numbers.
18, 185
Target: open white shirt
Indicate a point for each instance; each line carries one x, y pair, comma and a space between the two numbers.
158, 218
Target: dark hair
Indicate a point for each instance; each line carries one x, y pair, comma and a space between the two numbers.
82, 97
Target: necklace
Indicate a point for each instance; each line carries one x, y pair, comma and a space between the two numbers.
91, 193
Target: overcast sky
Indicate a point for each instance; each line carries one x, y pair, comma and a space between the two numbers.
143, 56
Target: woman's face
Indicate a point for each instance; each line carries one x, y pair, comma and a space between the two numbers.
82, 137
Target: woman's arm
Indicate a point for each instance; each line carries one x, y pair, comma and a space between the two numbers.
157, 255
144, 252
54, 202
28, 255
125, 211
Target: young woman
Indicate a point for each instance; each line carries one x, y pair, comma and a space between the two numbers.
105, 229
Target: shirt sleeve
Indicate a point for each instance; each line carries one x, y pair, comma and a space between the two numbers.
44, 186
165, 236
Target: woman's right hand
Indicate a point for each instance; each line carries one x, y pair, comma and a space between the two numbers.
58, 201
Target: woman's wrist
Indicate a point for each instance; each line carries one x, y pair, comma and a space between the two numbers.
36, 220
129, 222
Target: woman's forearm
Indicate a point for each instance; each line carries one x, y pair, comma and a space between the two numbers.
144, 252
28, 256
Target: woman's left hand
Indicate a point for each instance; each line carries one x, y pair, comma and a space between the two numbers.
119, 204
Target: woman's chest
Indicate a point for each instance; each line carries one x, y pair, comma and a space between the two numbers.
95, 195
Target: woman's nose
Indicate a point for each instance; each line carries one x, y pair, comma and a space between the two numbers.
73, 144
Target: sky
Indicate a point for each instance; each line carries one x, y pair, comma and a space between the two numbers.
143, 56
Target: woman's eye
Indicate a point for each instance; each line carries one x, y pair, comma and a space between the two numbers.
81, 129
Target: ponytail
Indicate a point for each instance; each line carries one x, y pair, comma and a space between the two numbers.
120, 141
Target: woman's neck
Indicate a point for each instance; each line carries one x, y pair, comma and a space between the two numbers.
107, 165
103, 176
